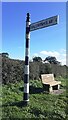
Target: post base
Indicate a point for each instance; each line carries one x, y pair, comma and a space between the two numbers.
25, 103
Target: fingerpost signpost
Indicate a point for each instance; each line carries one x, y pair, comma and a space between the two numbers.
29, 28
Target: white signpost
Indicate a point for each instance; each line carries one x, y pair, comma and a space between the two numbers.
44, 23
31, 27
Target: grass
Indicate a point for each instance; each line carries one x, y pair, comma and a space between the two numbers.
41, 105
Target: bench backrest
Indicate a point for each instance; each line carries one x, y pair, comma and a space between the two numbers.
47, 78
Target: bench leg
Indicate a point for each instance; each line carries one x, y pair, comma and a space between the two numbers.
50, 89
58, 87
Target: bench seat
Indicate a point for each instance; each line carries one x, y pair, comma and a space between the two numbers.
52, 83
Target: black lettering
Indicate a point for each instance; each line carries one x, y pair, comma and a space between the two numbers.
50, 21
56, 20
46, 22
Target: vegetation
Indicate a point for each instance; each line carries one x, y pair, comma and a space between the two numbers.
37, 59
13, 70
41, 105
51, 59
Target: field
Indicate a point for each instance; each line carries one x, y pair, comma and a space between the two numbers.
41, 105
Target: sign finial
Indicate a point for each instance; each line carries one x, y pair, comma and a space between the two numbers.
28, 17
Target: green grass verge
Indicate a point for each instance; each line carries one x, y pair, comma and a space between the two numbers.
41, 105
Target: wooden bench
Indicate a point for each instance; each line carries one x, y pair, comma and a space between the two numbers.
49, 84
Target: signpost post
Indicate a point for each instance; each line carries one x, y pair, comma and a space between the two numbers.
29, 28
26, 74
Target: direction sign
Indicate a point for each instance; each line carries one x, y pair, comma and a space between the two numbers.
44, 23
